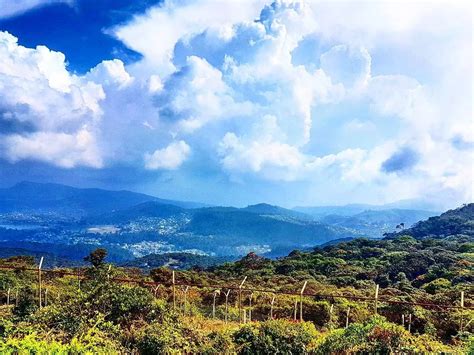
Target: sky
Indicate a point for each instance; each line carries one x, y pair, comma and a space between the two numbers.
239, 102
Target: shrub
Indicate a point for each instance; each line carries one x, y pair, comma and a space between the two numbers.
276, 336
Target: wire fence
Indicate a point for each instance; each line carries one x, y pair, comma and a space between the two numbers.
464, 304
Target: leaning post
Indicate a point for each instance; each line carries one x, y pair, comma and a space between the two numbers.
331, 309
250, 307
240, 298
39, 280
301, 300
226, 305
271, 307
376, 297
174, 291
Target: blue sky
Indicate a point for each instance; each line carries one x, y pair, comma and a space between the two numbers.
287, 102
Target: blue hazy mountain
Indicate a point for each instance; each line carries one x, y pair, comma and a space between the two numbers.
374, 223
38, 197
70, 222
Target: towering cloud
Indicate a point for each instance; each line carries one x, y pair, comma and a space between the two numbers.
321, 96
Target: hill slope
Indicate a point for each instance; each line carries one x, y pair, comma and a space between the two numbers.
459, 221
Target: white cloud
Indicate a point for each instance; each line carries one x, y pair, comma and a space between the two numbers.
9, 8
156, 33
168, 158
228, 85
39, 93
61, 149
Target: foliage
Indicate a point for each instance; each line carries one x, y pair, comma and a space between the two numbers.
276, 336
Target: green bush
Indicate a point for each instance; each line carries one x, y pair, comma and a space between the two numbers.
276, 336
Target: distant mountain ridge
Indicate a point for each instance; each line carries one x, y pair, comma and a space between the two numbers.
26, 196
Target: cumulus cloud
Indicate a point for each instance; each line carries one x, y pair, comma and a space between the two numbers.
43, 101
231, 90
168, 158
61, 149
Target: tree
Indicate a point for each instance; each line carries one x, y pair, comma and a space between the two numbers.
97, 257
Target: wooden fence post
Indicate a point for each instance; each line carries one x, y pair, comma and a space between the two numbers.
376, 297
226, 305
185, 299
403, 320
409, 323
301, 300
331, 309
347, 316
216, 292
8, 297
462, 312
271, 307
250, 307
240, 298
295, 312
39, 280
174, 291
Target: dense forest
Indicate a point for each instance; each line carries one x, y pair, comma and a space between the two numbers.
103, 308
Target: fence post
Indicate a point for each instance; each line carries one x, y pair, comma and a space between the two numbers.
216, 292
462, 311
301, 300
403, 320
8, 297
331, 309
39, 280
240, 298
250, 307
409, 323
174, 291
347, 316
108, 272
295, 310
226, 305
271, 307
185, 298
376, 297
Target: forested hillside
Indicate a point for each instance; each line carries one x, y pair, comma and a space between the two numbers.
109, 309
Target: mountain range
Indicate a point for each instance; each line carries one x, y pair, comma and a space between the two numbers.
72, 221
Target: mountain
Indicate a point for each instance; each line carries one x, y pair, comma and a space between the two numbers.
266, 209
180, 261
374, 223
320, 212
149, 209
459, 221
241, 227
38, 197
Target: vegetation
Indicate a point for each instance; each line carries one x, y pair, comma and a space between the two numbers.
98, 314
101, 315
